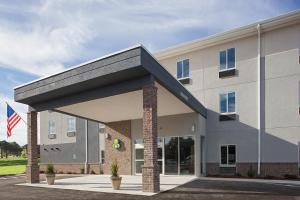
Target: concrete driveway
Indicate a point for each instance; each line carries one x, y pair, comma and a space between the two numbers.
206, 188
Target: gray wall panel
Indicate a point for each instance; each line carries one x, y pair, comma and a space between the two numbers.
93, 142
74, 152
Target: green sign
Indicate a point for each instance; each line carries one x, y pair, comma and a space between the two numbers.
116, 144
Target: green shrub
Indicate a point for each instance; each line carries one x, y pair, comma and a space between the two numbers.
269, 177
24, 153
114, 168
50, 169
290, 176
251, 172
237, 174
82, 170
93, 172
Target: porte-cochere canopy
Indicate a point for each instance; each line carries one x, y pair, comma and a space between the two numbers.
129, 84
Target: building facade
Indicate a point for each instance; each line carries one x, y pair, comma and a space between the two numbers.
248, 79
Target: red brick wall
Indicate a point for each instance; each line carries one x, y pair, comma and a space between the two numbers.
74, 168
64, 167
278, 170
118, 130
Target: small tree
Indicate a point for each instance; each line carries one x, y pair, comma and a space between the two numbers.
50, 169
50, 174
114, 168
251, 172
24, 153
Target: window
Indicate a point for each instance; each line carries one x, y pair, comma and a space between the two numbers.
102, 157
139, 154
71, 124
228, 155
51, 127
227, 59
183, 69
227, 103
102, 138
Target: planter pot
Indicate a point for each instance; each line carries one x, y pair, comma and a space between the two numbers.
116, 182
50, 179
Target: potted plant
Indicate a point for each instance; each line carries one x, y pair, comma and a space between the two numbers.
50, 174
115, 178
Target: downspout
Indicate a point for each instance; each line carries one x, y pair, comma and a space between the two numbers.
86, 148
258, 99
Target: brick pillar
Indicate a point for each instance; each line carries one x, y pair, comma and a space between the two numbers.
150, 168
32, 163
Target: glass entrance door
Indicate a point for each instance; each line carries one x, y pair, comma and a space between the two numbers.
171, 155
179, 155
176, 155
139, 155
187, 155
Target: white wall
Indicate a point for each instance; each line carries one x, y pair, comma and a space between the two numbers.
282, 77
280, 101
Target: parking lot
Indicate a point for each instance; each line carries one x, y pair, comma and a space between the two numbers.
206, 188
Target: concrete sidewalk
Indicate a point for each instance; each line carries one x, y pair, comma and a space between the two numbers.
101, 183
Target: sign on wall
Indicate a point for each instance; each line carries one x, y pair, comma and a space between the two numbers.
116, 144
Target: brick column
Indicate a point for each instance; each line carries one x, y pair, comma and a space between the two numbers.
32, 163
150, 168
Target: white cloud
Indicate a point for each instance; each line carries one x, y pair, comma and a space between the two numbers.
56, 32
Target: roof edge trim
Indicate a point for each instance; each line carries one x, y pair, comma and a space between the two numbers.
239, 32
80, 65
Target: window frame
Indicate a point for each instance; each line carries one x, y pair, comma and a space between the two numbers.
227, 69
140, 145
102, 156
68, 130
220, 155
235, 103
186, 77
51, 122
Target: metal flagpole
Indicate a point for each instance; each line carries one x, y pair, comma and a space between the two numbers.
18, 114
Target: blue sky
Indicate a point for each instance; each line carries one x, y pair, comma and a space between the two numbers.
38, 38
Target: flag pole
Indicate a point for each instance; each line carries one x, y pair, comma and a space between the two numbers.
18, 113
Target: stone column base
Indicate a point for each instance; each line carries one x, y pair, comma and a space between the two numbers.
33, 173
150, 179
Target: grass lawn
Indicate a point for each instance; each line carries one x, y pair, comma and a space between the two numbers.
12, 165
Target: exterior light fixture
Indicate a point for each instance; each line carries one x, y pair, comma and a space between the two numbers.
193, 128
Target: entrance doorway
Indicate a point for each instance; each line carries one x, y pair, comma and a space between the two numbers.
176, 155
139, 155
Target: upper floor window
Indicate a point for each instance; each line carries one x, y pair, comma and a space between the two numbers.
183, 69
228, 155
227, 102
71, 124
227, 59
51, 127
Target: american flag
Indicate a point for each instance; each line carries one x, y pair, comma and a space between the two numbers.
12, 120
